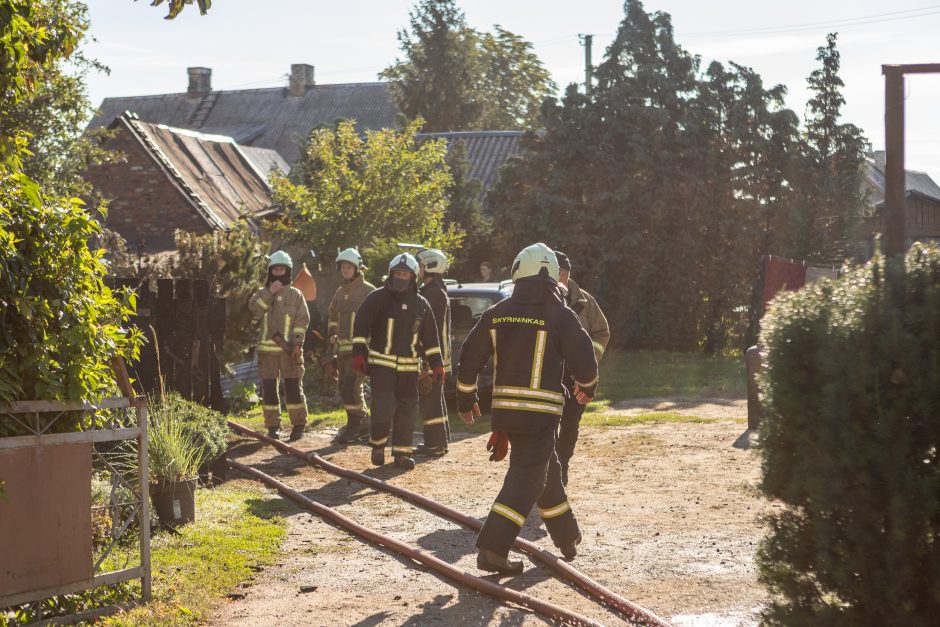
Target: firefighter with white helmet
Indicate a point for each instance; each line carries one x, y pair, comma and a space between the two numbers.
346, 301
285, 318
531, 336
394, 328
431, 407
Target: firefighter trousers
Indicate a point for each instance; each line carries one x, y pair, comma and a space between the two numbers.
533, 478
434, 417
568, 431
350, 390
271, 367
394, 409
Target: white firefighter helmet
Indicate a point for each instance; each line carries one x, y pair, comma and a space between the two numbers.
403, 261
433, 259
537, 260
350, 255
280, 258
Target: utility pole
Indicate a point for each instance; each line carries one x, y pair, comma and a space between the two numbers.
587, 41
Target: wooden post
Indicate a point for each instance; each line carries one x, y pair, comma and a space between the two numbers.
217, 327
183, 344
895, 238
165, 326
202, 341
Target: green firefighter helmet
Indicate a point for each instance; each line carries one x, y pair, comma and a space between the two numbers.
350, 255
535, 261
403, 261
433, 259
280, 258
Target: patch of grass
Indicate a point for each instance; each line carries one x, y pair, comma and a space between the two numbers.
319, 416
643, 374
238, 527
621, 420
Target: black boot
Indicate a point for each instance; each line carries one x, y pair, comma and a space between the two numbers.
378, 457
493, 562
274, 432
570, 550
430, 451
346, 435
296, 432
403, 461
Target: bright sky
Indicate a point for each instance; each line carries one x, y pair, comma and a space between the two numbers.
251, 43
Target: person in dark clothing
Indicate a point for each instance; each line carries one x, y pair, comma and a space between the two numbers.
391, 326
433, 411
530, 336
595, 323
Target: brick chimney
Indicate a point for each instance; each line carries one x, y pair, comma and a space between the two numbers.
200, 82
879, 159
301, 77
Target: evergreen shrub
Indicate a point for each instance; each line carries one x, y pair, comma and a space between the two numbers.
849, 445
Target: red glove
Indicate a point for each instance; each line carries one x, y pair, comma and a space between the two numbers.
499, 445
359, 364
439, 374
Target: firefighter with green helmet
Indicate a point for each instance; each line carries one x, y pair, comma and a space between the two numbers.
343, 307
394, 329
284, 320
531, 336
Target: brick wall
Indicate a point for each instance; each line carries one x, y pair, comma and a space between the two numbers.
144, 202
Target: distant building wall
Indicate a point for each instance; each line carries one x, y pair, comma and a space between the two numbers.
144, 202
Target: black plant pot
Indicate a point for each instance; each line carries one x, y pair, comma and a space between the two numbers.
175, 501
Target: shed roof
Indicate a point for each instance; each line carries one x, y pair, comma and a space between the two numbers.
265, 118
216, 176
916, 182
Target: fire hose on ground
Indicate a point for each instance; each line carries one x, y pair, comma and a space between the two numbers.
481, 585
626, 608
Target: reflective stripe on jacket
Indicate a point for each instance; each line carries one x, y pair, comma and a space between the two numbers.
343, 307
285, 313
531, 336
396, 329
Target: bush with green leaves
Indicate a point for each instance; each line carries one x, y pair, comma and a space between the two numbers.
850, 447
205, 427
174, 453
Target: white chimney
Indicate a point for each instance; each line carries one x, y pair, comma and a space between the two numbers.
200, 82
301, 77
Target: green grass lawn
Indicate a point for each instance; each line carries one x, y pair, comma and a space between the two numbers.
237, 531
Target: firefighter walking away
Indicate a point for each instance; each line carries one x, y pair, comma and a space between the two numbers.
433, 411
531, 336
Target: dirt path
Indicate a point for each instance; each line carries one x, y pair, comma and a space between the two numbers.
668, 512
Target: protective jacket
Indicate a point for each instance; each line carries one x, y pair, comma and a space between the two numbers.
531, 336
591, 316
394, 329
285, 313
435, 292
343, 309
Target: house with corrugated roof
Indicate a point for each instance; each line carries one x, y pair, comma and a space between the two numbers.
922, 196
268, 126
175, 178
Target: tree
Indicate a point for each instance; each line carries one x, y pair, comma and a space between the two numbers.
53, 117
370, 192
458, 79
831, 181
60, 324
176, 6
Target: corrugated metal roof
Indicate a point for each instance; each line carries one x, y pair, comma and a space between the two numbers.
916, 182
487, 151
217, 177
266, 118
266, 160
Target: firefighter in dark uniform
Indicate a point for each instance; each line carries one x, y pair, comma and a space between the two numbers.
595, 323
343, 307
530, 336
431, 407
394, 327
